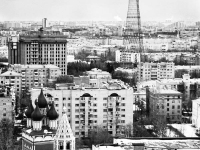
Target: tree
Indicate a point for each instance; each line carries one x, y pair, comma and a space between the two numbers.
64, 79
99, 136
6, 134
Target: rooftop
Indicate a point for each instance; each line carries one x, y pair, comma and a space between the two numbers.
10, 73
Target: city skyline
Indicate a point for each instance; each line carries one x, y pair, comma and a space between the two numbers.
94, 10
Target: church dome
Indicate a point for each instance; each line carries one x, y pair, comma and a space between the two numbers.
42, 102
52, 114
36, 115
29, 110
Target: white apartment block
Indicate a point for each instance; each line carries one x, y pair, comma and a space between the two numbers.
36, 75
166, 104
6, 108
4, 51
127, 56
110, 106
12, 79
155, 71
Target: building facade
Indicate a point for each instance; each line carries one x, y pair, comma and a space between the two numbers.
39, 48
6, 107
109, 106
36, 75
155, 71
12, 79
165, 104
126, 56
196, 114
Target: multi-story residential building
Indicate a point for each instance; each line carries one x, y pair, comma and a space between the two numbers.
154, 71
39, 48
6, 107
126, 56
165, 103
3, 41
12, 79
110, 105
189, 87
4, 51
36, 75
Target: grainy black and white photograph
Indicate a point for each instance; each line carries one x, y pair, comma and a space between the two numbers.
99, 74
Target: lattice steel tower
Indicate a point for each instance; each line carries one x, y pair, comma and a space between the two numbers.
132, 32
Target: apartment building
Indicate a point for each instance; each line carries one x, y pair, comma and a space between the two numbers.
165, 104
190, 88
155, 71
39, 48
12, 79
6, 108
109, 106
127, 56
196, 114
36, 75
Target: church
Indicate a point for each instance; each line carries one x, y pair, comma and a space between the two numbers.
44, 131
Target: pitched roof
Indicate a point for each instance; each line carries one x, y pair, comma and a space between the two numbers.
64, 131
10, 73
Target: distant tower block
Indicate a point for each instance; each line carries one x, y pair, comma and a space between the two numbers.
44, 22
133, 39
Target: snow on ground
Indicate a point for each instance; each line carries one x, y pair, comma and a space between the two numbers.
185, 129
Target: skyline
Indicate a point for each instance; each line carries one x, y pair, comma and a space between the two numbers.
95, 10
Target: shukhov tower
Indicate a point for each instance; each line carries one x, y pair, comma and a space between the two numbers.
132, 33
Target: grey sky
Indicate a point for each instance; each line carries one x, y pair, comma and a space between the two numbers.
96, 10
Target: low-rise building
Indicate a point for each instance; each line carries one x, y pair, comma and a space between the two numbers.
126, 56
165, 104
155, 71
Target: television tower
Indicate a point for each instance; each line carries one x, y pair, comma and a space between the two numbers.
132, 35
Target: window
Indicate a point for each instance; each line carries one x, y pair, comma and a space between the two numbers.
64, 98
69, 104
76, 105
105, 110
4, 108
167, 109
95, 110
105, 98
4, 114
123, 115
173, 107
94, 104
122, 109
4, 103
179, 107
76, 122
104, 121
76, 98
123, 104
122, 121
56, 99
104, 104
173, 101
56, 105
77, 116
167, 104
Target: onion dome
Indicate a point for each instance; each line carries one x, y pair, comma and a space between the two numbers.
52, 114
42, 102
30, 110
36, 115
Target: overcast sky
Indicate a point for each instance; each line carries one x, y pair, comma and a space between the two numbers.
97, 10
